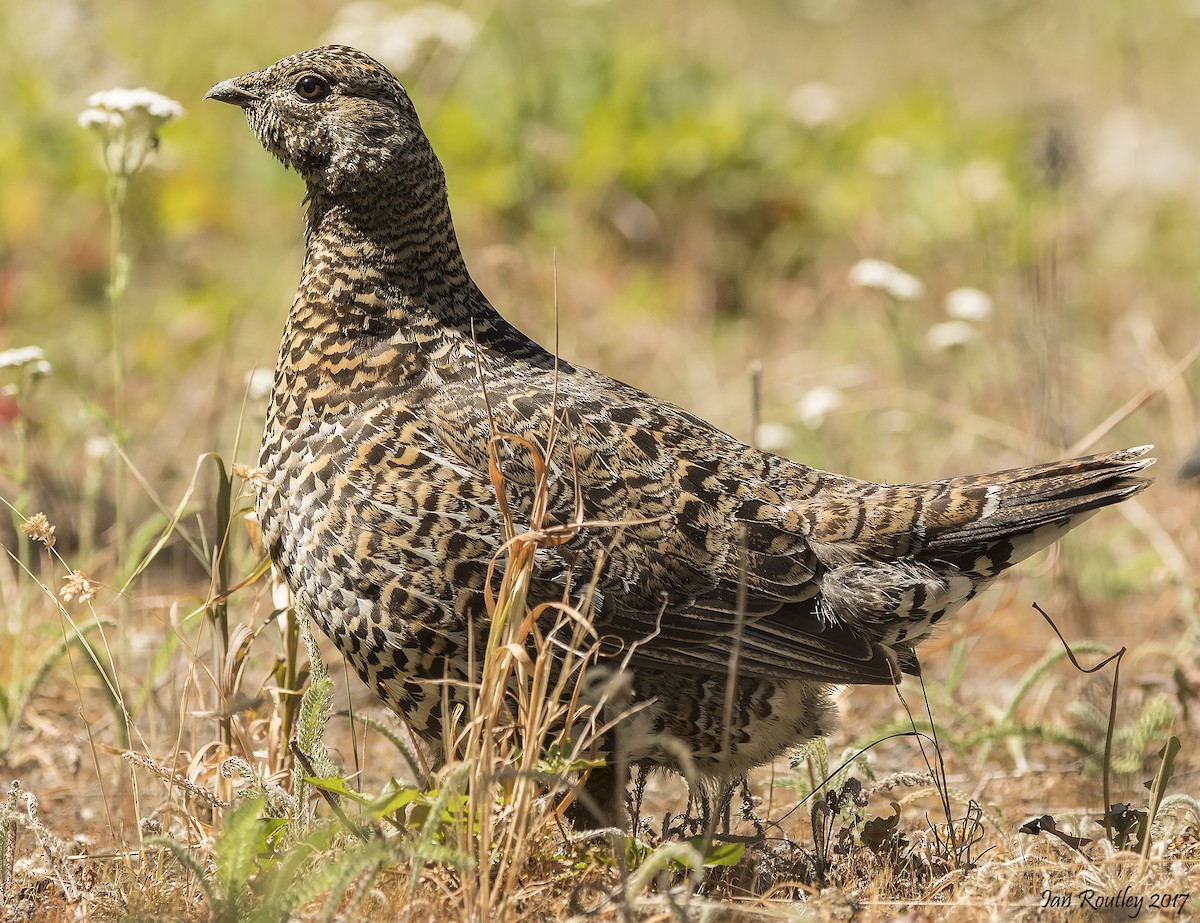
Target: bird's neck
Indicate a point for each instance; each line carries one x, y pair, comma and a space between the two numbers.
396, 239
385, 304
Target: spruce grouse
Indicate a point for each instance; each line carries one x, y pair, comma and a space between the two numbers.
378, 507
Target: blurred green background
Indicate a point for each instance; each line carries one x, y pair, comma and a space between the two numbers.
692, 181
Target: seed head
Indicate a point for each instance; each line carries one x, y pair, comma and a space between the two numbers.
38, 528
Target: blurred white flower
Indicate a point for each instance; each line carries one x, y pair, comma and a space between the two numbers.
127, 122
1137, 152
816, 404
968, 303
881, 275
101, 120
132, 104
258, 384
871, 273
397, 39
950, 334
98, 448
814, 104
772, 436
22, 356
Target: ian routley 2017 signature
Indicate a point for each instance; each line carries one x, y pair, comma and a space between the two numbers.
1125, 900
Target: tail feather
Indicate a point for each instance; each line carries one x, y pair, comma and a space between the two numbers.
1022, 501
966, 531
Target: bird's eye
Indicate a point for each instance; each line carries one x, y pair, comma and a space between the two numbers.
312, 88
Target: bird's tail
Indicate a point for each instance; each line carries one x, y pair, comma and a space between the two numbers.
962, 533
1025, 509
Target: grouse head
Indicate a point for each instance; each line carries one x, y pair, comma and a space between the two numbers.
337, 117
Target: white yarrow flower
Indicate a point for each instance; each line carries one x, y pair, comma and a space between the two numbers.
133, 110
101, 120
966, 303
22, 356
139, 103
30, 358
1136, 152
883, 276
816, 404
772, 436
815, 104
871, 273
398, 39
127, 122
950, 334
98, 448
258, 384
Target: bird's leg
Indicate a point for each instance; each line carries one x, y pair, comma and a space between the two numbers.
600, 802
747, 811
641, 777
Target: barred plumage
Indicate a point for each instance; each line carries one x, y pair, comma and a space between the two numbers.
378, 508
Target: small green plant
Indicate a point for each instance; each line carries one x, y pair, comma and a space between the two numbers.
261, 875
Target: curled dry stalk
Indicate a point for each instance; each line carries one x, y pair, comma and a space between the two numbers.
529, 721
1112, 712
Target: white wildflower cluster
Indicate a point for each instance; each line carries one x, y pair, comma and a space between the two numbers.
99, 448
398, 39
967, 307
969, 304
1136, 152
30, 358
772, 437
889, 279
259, 383
817, 403
815, 104
128, 122
949, 334
119, 106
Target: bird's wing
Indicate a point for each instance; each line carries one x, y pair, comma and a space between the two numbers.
682, 527
696, 538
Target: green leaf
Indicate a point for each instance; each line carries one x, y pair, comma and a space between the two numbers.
337, 786
719, 854
393, 800
1158, 787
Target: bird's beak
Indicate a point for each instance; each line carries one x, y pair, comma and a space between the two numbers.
227, 91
